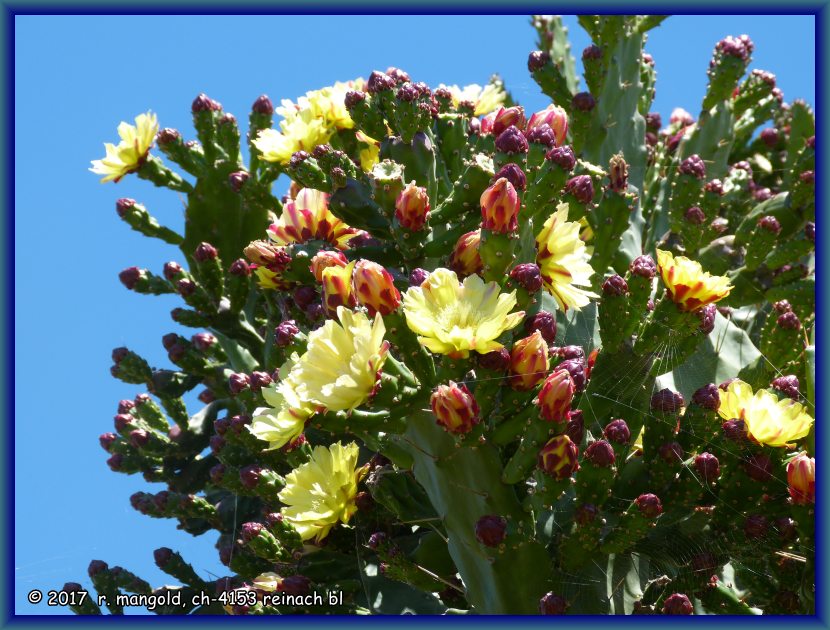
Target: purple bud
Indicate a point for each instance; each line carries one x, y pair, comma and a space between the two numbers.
785, 526
512, 173
810, 231
96, 566
734, 430
407, 93
677, 604
693, 166
167, 135
617, 431
592, 52
707, 466
552, 604
418, 277
304, 296
237, 180
106, 440
572, 352
581, 187
787, 385
707, 397
162, 556
759, 468
542, 134
495, 360
491, 530
643, 266
756, 526
707, 318
238, 423
653, 121
171, 270
251, 531
123, 421
125, 406
295, 585
671, 452
124, 205
733, 47
615, 286
769, 223
177, 352
139, 438
400, 76
576, 426
115, 462
586, 514
249, 476
263, 105
714, 187
545, 323
512, 140
217, 473
240, 267
770, 136
782, 306
695, 216
527, 276
649, 505
353, 98
667, 401
238, 382
297, 158
376, 540
584, 102
285, 332
71, 587
789, 321
260, 380
186, 287
130, 277
204, 103
576, 368
537, 60
563, 157
601, 454
378, 82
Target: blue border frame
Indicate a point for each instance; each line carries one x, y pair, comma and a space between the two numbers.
7, 344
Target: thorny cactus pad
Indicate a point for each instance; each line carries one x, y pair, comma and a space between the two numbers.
479, 359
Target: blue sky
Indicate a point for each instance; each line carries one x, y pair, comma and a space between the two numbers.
76, 78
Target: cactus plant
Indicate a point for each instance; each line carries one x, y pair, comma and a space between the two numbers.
481, 361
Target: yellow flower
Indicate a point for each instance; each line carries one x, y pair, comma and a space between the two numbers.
339, 370
267, 582
268, 279
321, 492
284, 420
369, 151
768, 420
301, 132
486, 99
688, 285
452, 318
307, 217
563, 260
131, 152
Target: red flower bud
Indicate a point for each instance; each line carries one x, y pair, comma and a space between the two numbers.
465, 259
412, 207
559, 457
528, 362
555, 396
801, 478
553, 116
500, 207
375, 288
454, 408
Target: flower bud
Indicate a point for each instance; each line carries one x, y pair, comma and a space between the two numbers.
552, 604
495, 360
756, 526
379, 82
528, 362
512, 173
249, 476
511, 140
204, 103
617, 431
584, 102
553, 116
139, 438
454, 408
203, 341
508, 117
576, 368
376, 540
106, 440
576, 426
123, 421
810, 231
303, 296
239, 267
124, 205
581, 187
412, 207
500, 207
527, 276
649, 505
186, 287
545, 323
600, 454
555, 396
801, 479
115, 462
693, 166
677, 604
733, 47
706, 315
162, 556
592, 52
653, 121
418, 276
374, 288
537, 60
251, 531
734, 430
695, 216
205, 252
759, 467
298, 585
671, 452
285, 332
667, 401
337, 288
643, 266
559, 457
563, 157
130, 276
263, 105
788, 385
615, 286
491, 530
707, 397
237, 179
325, 259
238, 382
96, 567
260, 380
543, 135
789, 321
167, 135
586, 514
465, 259
618, 173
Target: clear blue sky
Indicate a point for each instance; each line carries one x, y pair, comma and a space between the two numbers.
76, 79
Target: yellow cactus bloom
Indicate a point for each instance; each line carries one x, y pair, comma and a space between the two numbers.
486, 99
688, 285
131, 152
563, 260
337, 288
321, 492
309, 122
453, 318
307, 217
267, 582
339, 370
284, 420
369, 152
768, 420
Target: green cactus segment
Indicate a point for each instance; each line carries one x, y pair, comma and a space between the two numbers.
466, 191
464, 484
137, 217
632, 527
154, 170
553, 38
496, 251
353, 204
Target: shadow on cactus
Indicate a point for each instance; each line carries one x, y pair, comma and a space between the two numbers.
482, 360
